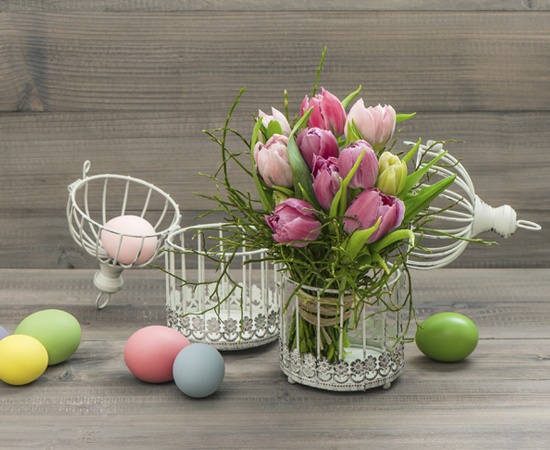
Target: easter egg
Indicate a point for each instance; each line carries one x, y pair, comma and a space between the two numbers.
129, 239
199, 370
22, 359
58, 331
150, 352
447, 337
3, 332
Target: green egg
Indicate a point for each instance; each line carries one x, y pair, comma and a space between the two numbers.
58, 331
447, 337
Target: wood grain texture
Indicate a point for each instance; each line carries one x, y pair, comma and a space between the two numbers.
497, 398
130, 85
266, 5
42, 154
460, 61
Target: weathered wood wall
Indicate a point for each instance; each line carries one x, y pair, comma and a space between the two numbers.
130, 85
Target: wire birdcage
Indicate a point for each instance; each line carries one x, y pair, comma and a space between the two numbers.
458, 215
227, 299
94, 200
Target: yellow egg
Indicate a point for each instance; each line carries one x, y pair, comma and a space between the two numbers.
22, 359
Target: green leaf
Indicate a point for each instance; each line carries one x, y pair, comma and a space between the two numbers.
303, 182
412, 151
381, 262
414, 204
403, 117
416, 176
274, 127
351, 96
353, 133
318, 74
300, 123
307, 197
339, 202
283, 190
357, 240
390, 238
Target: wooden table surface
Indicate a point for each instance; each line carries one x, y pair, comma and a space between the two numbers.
498, 398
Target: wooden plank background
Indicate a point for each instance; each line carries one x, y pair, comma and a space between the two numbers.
130, 85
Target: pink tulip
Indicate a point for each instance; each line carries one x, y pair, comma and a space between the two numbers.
328, 112
376, 124
366, 174
367, 207
326, 180
293, 222
278, 116
316, 141
271, 160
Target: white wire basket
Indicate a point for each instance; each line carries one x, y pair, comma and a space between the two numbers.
458, 214
95, 200
373, 354
235, 311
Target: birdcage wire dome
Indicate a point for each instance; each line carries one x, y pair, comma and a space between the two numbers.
94, 200
459, 215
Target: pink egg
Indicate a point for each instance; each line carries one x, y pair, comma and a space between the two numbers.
124, 248
150, 352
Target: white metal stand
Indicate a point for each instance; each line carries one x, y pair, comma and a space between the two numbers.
94, 200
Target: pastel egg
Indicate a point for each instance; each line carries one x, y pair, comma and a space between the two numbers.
23, 359
129, 239
199, 370
447, 337
58, 331
3, 332
150, 352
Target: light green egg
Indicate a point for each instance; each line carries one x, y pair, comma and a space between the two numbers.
447, 337
58, 331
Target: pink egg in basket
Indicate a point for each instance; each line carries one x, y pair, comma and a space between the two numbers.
150, 352
129, 239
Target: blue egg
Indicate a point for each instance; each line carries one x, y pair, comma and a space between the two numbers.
198, 370
3, 332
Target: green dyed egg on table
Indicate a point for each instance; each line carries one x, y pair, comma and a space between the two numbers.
447, 337
58, 331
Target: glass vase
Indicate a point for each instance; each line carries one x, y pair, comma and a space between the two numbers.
340, 342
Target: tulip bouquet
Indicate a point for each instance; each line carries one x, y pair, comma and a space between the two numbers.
336, 204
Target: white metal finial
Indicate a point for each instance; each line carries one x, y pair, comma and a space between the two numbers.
458, 215
502, 220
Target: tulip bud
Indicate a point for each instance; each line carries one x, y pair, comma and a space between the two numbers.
392, 174
328, 112
370, 205
376, 124
277, 116
272, 163
294, 222
316, 141
365, 176
326, 180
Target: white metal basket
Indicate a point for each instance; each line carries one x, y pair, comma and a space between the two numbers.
374, 355
240, 311
94, 200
